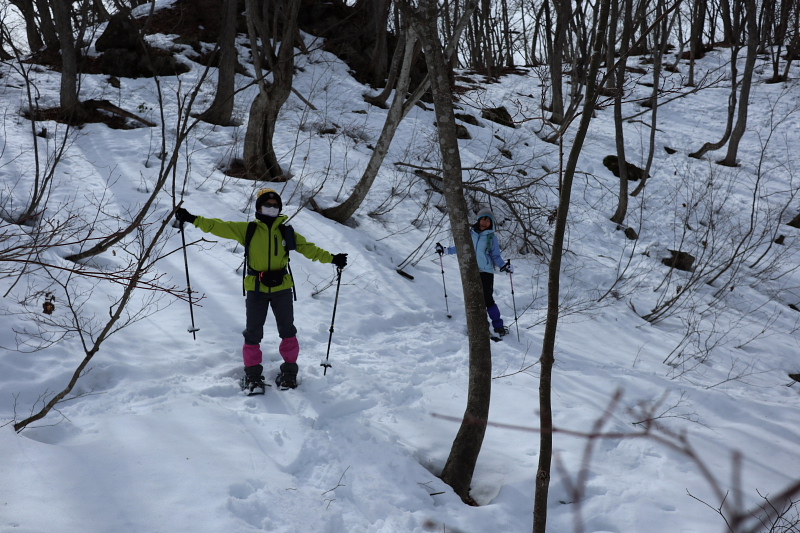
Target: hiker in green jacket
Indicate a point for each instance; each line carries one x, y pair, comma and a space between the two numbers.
267, 281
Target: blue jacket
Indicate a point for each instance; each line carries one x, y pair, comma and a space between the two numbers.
487, 246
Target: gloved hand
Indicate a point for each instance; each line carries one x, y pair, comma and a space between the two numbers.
439, 248
340, 260
182, 215
507, 268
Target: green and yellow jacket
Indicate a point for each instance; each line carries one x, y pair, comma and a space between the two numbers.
267, 249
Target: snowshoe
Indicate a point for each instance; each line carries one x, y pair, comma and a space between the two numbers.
254, 386
287, 377
253, 382
286, 381
501, 331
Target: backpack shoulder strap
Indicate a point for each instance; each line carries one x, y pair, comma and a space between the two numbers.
290, 243
251, 229
289, 239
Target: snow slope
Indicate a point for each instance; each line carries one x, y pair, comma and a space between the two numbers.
159, 437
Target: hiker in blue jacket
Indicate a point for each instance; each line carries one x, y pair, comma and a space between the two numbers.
487, 249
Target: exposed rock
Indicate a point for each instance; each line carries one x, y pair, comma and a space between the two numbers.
499, 115
121, 33
680, 261
611, 162
469, 119
134, 64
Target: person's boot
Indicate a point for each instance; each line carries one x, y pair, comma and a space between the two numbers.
253, 381
287, 377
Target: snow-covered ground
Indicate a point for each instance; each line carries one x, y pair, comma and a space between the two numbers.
160, 438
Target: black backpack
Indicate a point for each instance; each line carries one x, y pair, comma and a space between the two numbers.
289, 242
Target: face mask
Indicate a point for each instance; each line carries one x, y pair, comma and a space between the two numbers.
270, 211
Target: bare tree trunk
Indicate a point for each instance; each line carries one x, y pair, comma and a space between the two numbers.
460, 465
506, 36
4, 54
260, 160
660, 42
485, 35
376, 13
547, 359
397, 60
696, 48
793, 47
46, 26
778, 35
100, 12
747, 81
733, 98
71, 108
563, 10
619, 137
221, 110
32, 33
727, 25
344, 211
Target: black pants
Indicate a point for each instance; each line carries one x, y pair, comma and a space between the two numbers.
487, 281
258, 303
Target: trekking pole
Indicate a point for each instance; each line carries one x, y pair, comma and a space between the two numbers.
514, 301
192, 329
447, 306
325, 363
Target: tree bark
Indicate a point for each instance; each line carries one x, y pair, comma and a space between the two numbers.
747, 82
696, 48
221, 110
47, 26
661, 41
547, 359
619, 78
260, 160
342, 212
394, 70
376, 14
28, 11
460, 465
71, 108
563, 10
733, 98
346, 209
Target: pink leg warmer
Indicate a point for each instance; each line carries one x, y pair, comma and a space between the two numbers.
289, 349
252, 354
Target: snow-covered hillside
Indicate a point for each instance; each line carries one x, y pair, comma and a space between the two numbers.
160, 438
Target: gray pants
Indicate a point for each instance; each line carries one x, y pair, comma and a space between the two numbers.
258, 303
